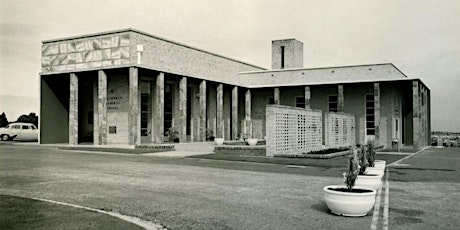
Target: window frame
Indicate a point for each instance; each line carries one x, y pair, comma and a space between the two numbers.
329, 102
366, 114
302, 101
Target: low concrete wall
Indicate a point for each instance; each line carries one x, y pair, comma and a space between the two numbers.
240, 150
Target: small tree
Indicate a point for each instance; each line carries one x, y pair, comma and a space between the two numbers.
3, 120
31, 118
371, 153
362, 157
353, 169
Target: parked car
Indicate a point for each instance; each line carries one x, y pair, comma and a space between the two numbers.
19, 131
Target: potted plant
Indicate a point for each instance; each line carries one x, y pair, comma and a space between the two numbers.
350, 200
375, 167
251, 141
369, 180
173, 135
219, 140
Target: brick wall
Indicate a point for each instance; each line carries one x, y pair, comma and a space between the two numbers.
178, 59
117, 109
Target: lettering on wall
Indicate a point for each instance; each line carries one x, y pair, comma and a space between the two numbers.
113, 103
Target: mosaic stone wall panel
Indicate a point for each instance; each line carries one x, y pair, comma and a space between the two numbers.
292, 131
340, 130
88, 53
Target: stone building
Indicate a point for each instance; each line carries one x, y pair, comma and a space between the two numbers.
128, 87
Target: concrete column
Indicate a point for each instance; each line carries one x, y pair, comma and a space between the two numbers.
247, 116
95, 112
276, 95
220, 111
416, 114
134, 119
203, 110
158, 110
73, 110
101, 108
424, 117
340, 98
183, 109
428, 116
234, 112
307, 97
377, 112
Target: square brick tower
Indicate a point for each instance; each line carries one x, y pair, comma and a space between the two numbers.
287, 54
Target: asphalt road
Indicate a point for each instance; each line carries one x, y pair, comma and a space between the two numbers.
207, 194
425, 191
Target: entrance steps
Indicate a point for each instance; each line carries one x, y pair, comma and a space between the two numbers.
188, 149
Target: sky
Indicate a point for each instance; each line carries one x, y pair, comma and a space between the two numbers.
421, 38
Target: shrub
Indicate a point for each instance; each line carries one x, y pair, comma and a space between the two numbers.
371, 153
353, 168
173, 135
209, 134
362, 157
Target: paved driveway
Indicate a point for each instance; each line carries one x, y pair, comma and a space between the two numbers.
425, 191
206, 194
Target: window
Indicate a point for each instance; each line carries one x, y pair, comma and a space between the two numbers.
333, 102
16, 127
25, 127
370, 115
145, 107
168, 106
271, 100
300, 102
282, 57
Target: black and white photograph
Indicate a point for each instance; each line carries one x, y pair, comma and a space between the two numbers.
229, 114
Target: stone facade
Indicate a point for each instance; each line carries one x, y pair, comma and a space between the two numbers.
86, 53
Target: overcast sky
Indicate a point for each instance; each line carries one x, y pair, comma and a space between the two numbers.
422, 38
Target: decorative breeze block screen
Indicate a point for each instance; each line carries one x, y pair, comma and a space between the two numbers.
340, 130
292, 131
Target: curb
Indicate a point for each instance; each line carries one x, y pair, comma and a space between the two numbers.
134, 220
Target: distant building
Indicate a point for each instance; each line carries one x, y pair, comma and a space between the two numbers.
129, 87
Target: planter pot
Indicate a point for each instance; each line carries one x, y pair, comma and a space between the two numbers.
349, 203
219, 141
380, 164
373, 181
252, 142
374, 170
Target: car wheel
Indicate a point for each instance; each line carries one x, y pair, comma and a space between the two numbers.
5, 137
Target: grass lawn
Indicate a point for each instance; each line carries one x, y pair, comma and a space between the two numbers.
21, 213
334, 162
116, 150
